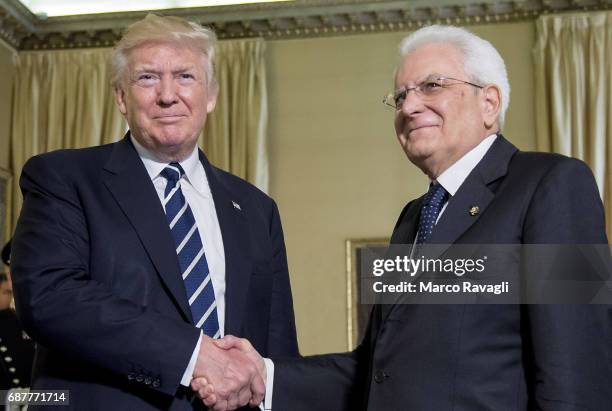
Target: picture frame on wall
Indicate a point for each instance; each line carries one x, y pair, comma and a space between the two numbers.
357, 314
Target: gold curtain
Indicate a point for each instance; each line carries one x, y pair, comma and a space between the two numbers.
573, 62
63, 99
234, 138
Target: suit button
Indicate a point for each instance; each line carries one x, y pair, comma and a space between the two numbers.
139, 378
148, 380
380, 376
156, 383
131, 376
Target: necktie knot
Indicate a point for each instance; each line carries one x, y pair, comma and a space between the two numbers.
436, 195
173, 172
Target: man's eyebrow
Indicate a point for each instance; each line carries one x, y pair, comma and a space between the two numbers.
152, 69
145, 69
429, 77
183, 69
432, 76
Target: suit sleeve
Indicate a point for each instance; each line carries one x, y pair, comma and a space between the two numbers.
570, 345
67, 311
323, 382
282, 338
330, 382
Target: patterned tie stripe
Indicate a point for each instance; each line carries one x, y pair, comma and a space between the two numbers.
190, 252
432, 205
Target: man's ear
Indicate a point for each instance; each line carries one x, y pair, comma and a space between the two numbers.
491, 105
120, 100
213, 92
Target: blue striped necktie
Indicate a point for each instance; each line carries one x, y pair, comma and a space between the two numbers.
190, 251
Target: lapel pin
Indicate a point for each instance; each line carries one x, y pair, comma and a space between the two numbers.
474, 210
236, 205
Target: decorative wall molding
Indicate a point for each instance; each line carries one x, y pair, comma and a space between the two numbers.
302, 18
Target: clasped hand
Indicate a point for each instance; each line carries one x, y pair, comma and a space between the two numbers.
229, 374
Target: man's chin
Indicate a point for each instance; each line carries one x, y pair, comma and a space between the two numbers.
420, 153
175, 137
419, 148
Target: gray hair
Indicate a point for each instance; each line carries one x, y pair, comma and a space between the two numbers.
155, 28
482, 62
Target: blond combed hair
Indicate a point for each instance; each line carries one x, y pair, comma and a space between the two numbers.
163, 29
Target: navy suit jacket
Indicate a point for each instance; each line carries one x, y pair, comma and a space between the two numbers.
479, 357
98, 285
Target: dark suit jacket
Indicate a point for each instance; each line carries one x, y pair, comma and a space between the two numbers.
98, 286
479, 357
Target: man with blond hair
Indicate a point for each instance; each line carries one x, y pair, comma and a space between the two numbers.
130, 259
451, 96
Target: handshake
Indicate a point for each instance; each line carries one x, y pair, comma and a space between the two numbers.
229, 373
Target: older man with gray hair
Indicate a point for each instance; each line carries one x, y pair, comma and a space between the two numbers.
130, 259
451, 96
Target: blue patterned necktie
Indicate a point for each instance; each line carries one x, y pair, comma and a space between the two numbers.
190, 251
430, 210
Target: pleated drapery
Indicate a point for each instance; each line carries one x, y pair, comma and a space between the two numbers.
63, 99
573, 72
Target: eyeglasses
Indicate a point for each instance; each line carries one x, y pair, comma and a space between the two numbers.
429, 88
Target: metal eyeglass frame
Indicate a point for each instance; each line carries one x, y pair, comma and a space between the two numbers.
391, 98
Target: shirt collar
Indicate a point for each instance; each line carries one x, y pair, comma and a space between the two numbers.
452, 178
194, 171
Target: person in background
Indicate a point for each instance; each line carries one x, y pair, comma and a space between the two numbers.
16, 348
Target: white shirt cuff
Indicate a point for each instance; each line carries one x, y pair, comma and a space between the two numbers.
266, 405
188, 375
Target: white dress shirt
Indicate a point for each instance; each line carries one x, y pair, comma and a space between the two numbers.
195, 188
452, 178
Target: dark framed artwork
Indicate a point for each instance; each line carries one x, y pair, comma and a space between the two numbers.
357, 314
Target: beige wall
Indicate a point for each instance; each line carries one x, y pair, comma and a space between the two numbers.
6, 86
337, 171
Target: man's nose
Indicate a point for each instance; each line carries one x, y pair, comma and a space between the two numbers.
413, 103
167, 94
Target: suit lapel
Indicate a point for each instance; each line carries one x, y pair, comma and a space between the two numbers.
404, 233
408, 225
474, 192
457, 219
236, 234
129, 183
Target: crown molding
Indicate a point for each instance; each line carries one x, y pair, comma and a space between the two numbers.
302, 18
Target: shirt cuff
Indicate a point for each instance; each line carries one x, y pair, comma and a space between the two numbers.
266, 405
188, 375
